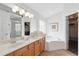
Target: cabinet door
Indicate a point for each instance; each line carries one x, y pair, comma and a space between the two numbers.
18, 52
25, 51
22, 52
42, 44
31, 49
37, 48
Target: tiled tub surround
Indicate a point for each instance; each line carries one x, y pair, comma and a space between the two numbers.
6, 48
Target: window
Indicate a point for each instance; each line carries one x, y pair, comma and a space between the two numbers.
42, 26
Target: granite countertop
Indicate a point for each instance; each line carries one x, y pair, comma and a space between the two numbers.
10, 47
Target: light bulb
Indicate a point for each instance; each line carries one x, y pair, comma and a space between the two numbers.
15, 9
31, 16
22, 11
27, 13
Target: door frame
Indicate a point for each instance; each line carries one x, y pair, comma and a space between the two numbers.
67, 30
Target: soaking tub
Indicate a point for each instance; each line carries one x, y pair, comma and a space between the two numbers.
54, 44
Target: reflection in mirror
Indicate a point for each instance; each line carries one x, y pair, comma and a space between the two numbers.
27, 28
16, 27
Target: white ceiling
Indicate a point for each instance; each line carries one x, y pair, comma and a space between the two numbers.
46, 9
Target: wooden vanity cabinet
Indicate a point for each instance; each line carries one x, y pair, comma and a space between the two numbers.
22, 52
10, 54
42, 45
37, 48
31, 49
18, 52
25, 51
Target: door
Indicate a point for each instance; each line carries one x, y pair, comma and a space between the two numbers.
73, 33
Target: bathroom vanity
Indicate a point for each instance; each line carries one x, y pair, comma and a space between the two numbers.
30, 47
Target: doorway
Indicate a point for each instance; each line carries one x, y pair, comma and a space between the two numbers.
73, 33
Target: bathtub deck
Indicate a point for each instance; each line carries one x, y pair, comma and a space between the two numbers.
58, 53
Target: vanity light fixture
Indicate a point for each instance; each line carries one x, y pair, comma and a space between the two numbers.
31, 16
15, 9
27, 13
22, 12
